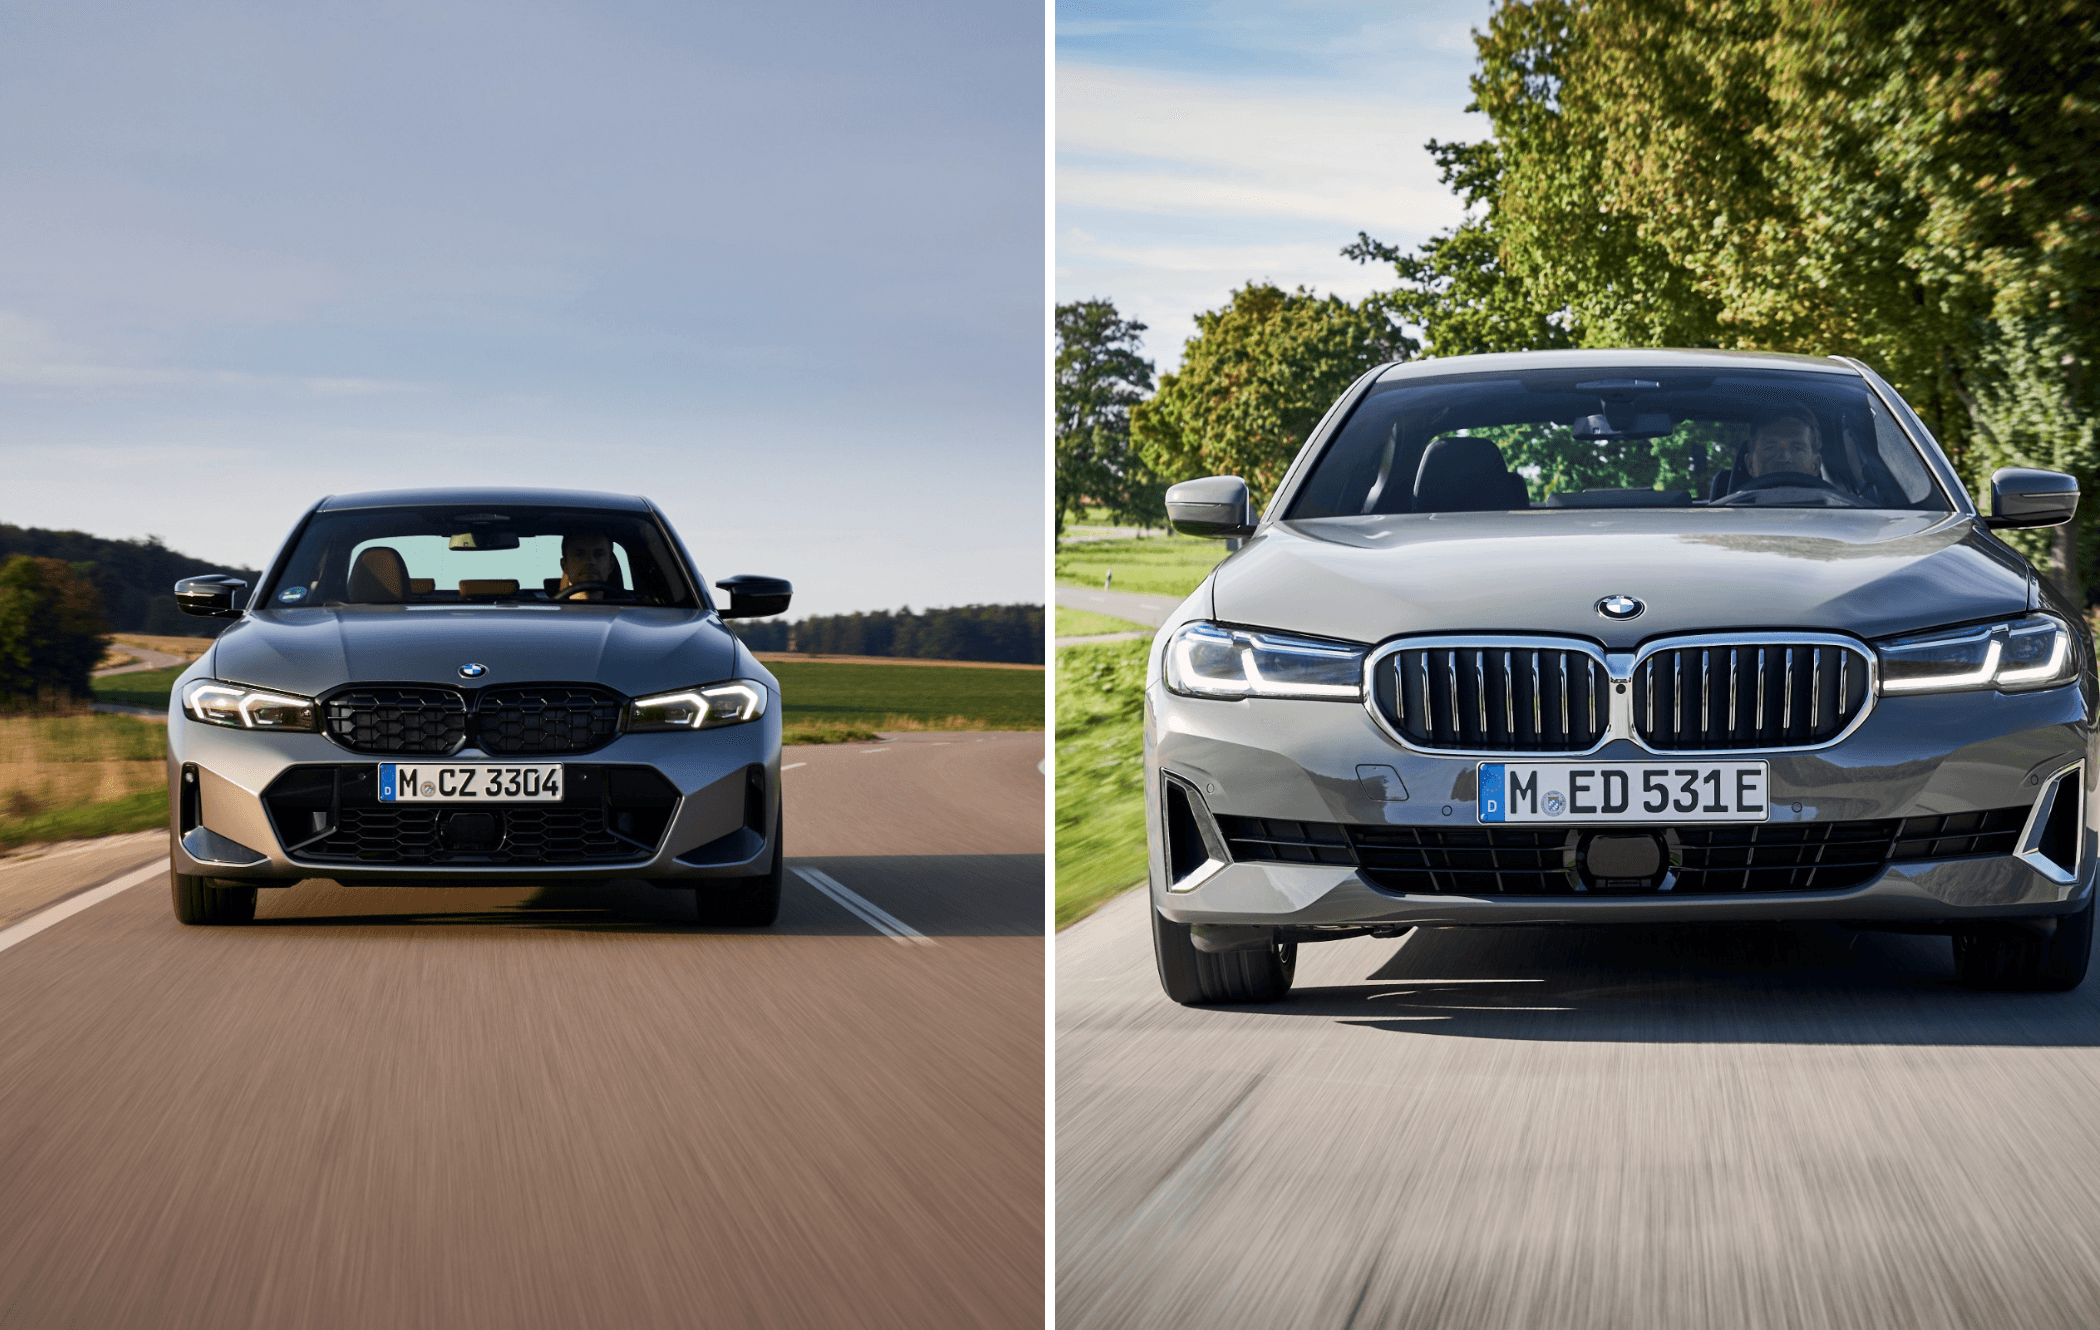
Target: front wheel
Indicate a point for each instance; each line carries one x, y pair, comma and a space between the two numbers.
197, 901
1225, 978
2026, 955
747, 902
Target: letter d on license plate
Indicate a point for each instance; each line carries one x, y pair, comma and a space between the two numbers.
1623, 792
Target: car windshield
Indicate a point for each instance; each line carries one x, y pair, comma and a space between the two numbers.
465, 554
1629, 437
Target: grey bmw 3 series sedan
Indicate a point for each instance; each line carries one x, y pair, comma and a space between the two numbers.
1615, 637
474, 686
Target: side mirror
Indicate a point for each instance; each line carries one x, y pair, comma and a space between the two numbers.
1215, 506
755, 597
213, 596
2021, 496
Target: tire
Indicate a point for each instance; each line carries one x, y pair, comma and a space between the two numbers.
197, 901
2026, 955
751, 902
1227, 978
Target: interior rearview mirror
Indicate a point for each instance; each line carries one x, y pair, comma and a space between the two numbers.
1215, 506
2022, 496
755, 597
212, 596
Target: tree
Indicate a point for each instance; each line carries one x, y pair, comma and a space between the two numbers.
1458, 288
1100, 376
1912, 185
1256, 378
50, 628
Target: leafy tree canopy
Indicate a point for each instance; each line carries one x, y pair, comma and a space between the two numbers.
50, 628
1100, 376
1913, 185
1255, 380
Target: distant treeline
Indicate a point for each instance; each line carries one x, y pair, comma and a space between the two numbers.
136, 577
1006, 633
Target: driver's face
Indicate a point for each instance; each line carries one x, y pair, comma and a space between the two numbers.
1785, 445
587, 559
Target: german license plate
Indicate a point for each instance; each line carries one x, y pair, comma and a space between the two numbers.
509, 783
1623, 792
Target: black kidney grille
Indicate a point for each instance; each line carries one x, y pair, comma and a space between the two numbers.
397, 720
547, 718
1762, 695
1721, 859
1497, 699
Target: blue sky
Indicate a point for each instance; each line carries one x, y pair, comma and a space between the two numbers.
779, 268
1203, 145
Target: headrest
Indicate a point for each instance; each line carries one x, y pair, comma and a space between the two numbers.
488, 586
378, 577
1462, 475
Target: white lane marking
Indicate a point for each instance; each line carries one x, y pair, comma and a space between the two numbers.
874, 750
881, 920
73, 905
792, 765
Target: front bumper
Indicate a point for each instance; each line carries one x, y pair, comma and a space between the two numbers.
725, 784
1912, 756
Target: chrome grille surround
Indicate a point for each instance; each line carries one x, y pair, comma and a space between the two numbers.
1458, 705
1492, 693
1749, 685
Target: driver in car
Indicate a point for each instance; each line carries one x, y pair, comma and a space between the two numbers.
587, 557
1785, 444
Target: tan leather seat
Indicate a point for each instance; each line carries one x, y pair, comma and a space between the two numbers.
379, 577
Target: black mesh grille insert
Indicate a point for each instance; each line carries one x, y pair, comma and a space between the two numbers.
546, 718
1690, 699
514, 720
1716, 859
397, 720
332, 815
1491, 698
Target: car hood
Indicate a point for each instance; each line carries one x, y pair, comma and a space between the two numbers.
636, 650
1870, 573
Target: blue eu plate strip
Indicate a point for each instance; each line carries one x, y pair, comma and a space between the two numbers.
386, 782
1491, 791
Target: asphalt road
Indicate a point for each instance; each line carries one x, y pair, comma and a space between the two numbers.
1144, 608
520, 1108
1783, 1126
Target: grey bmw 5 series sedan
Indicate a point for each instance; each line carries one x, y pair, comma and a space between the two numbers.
1615, 637
474, 686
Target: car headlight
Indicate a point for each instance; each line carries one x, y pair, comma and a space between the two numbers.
1210, 660
242, 708
705, 708
2034, 652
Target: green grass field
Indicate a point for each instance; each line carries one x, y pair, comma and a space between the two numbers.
146, 688
1086, 623
67, 773
1155, 565
1100, 774
825, 701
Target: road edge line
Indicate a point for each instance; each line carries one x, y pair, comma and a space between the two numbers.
889, 925
56, 914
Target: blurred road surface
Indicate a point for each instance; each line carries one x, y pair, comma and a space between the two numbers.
510, 1108
1757, 1126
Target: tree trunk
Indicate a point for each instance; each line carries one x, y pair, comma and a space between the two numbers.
2063, 564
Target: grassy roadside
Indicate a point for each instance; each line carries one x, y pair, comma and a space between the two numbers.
142, 688
1086, 623
68, 773
1100, 774
1152, 565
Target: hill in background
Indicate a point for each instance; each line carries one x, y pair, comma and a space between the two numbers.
1004, 633
136, 577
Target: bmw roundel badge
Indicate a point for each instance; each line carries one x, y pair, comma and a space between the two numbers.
1611, 607
473, 670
